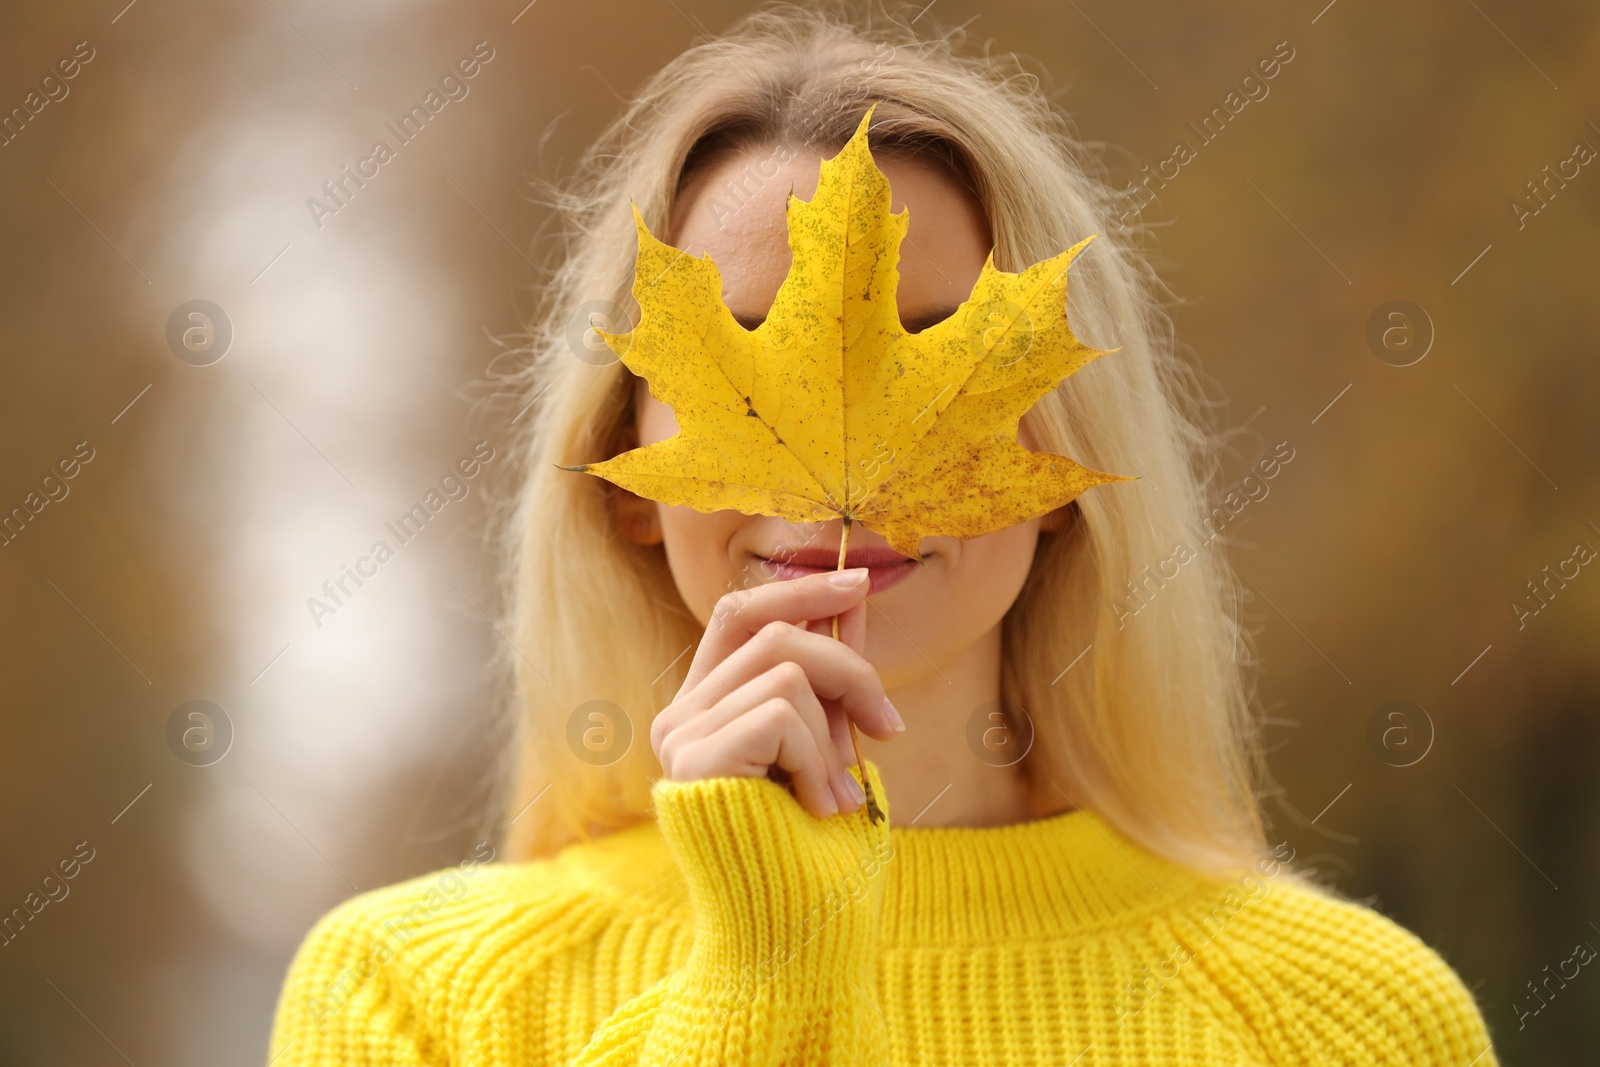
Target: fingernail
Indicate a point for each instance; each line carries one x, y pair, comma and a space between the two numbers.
832, 804
894, 716
852, 577
853, 787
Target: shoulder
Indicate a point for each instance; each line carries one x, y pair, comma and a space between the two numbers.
1308, 972
387, 975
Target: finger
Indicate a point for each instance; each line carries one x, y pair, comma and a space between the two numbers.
835, 672
852, 632
740, 615
844, 747
773, 735
800, 754
786, 681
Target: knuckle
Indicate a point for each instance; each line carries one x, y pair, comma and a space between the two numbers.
658, 729
661, 727
691, 765
776, 710
789, 675
866, 677
665, 750
731, 603
774, 632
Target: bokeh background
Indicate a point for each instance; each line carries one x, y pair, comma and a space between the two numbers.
1386, 564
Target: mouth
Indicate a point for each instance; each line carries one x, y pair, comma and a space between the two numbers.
885, 567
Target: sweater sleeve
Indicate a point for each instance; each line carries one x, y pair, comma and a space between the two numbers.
345, 1000
785, 906
1318, 979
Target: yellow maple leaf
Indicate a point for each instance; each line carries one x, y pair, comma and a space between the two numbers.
829, 409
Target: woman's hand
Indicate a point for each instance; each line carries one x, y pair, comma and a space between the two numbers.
769, 688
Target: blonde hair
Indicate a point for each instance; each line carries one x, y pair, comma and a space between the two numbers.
1151, 728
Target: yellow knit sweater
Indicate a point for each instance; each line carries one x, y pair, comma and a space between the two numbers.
738, 929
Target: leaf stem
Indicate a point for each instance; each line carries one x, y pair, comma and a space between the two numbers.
873, 811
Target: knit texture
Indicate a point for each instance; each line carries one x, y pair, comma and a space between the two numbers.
737, 929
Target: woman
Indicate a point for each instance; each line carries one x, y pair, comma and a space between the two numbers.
1072, 868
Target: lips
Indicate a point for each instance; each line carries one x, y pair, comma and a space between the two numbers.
885, 566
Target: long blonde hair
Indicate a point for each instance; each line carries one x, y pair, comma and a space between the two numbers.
1151, 727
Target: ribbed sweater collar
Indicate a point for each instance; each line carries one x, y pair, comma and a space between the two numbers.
1049, 877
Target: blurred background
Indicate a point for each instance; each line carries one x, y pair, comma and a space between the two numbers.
213, 397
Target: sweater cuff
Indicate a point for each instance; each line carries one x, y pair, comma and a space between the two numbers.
780, 897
